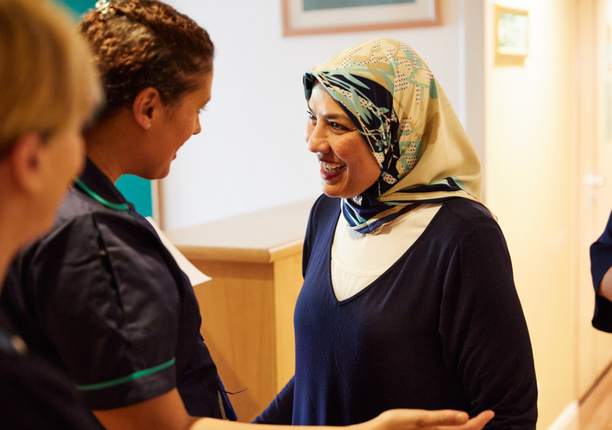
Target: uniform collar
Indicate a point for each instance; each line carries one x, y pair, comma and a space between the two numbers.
96, 181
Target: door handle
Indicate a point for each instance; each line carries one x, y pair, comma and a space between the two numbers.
594, 181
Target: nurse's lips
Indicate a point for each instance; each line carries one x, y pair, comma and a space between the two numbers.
330, 170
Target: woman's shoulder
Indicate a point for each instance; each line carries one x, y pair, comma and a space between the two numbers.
459, 219
325, 207
465, 210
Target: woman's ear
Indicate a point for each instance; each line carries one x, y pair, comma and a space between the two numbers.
145, 106
26, 163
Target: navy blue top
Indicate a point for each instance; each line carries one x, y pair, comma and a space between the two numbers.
441, 328
37, 396
102, 297
601, 261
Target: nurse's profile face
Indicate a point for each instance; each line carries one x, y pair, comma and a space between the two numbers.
175, 125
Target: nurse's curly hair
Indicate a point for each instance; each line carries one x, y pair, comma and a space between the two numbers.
146, 43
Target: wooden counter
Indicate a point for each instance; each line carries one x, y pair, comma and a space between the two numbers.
255, 261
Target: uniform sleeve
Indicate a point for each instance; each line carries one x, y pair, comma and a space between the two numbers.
280, 411
108, 304
486, 340
601, 261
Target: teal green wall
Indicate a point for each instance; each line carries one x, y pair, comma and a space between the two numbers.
79, 6
135, 189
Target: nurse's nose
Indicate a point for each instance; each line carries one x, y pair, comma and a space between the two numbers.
198, 126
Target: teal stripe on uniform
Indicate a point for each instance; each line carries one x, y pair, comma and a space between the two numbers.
123, 380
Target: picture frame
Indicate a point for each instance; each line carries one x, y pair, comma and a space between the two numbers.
305, 17
511, 35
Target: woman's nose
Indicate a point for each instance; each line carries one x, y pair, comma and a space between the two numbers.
316, 139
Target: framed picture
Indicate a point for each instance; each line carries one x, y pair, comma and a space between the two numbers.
511, 34
334, 16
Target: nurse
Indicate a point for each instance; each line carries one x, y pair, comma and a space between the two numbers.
48, 89
100, 295
601, 271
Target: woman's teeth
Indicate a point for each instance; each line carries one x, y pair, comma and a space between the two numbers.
328, 167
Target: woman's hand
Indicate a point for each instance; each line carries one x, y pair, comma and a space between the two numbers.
417, 419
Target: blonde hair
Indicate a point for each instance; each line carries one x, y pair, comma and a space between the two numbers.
47, 78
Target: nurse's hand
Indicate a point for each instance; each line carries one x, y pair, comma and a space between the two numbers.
416, 419
396, 419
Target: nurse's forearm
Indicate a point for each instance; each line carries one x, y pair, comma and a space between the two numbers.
404, 419
165, 412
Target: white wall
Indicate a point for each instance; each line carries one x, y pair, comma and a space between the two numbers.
251, 153
529, 179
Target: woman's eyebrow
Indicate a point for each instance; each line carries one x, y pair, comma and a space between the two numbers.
330, 116
336, 116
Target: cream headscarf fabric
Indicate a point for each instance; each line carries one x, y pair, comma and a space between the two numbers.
407, 121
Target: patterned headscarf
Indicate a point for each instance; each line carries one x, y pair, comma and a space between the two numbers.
392, 97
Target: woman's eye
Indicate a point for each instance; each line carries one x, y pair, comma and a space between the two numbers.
337, 126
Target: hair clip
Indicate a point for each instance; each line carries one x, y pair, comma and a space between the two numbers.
103, 6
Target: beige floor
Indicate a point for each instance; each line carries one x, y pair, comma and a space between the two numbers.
596, 408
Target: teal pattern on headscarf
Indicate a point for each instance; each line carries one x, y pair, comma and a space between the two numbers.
367, 105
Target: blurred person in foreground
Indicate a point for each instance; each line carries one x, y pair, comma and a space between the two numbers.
48, 89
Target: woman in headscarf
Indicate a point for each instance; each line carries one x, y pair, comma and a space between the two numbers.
408, 297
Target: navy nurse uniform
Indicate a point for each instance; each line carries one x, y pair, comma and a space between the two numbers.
601, 261
34, 394
102, 297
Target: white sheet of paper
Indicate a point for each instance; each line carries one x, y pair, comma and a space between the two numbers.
195, 276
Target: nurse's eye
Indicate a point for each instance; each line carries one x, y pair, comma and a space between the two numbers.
311, 117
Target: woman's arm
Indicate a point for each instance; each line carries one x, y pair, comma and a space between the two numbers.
485, 335
280, 411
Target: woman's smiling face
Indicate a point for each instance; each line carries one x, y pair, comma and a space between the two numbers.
348, 168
